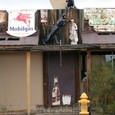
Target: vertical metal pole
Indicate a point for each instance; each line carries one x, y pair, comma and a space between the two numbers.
89, 73
60, 55
28, 81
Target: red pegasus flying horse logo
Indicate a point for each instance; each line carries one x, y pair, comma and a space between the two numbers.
24, 18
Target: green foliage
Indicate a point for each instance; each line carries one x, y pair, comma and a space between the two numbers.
103, 88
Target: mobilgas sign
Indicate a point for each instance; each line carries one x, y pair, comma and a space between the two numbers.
21, 23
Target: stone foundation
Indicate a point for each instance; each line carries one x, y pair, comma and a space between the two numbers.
41, 110
61, 110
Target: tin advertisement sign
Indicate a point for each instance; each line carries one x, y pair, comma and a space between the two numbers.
21, 23
44, 15
102, 19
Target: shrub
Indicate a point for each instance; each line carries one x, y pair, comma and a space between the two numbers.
103, 88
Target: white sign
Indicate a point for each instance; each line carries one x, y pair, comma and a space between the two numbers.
3, 17
21, 23
102, 19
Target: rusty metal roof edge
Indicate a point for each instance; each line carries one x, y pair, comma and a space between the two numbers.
57, 47
48, 47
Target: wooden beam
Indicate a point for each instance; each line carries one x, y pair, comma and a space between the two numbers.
78, 75
89, 73
28, 80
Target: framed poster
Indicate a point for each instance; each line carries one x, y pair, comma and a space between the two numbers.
44, 15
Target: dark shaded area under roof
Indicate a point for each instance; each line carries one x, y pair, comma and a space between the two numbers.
93, 38
6, 39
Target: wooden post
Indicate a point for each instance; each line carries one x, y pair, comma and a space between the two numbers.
28, 81
89, 73
81, 20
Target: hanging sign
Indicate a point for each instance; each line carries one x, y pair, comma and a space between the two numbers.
21, 23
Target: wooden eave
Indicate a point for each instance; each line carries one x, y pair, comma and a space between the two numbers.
78, 47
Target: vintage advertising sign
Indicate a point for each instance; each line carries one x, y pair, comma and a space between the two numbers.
102, 19
3, 17
21, 23
44, 15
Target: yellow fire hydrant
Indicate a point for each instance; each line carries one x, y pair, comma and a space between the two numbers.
84, 103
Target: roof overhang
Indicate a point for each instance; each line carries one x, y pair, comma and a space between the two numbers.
89, 37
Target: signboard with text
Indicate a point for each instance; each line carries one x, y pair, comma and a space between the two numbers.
21, 23
102, 19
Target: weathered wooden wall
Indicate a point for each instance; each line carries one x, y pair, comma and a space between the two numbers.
53, 16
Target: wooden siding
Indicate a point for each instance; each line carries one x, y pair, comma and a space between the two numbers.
53, 16
68, 71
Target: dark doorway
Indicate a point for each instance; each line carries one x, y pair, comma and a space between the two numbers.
67, 73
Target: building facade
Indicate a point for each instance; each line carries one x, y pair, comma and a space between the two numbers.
29, 63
